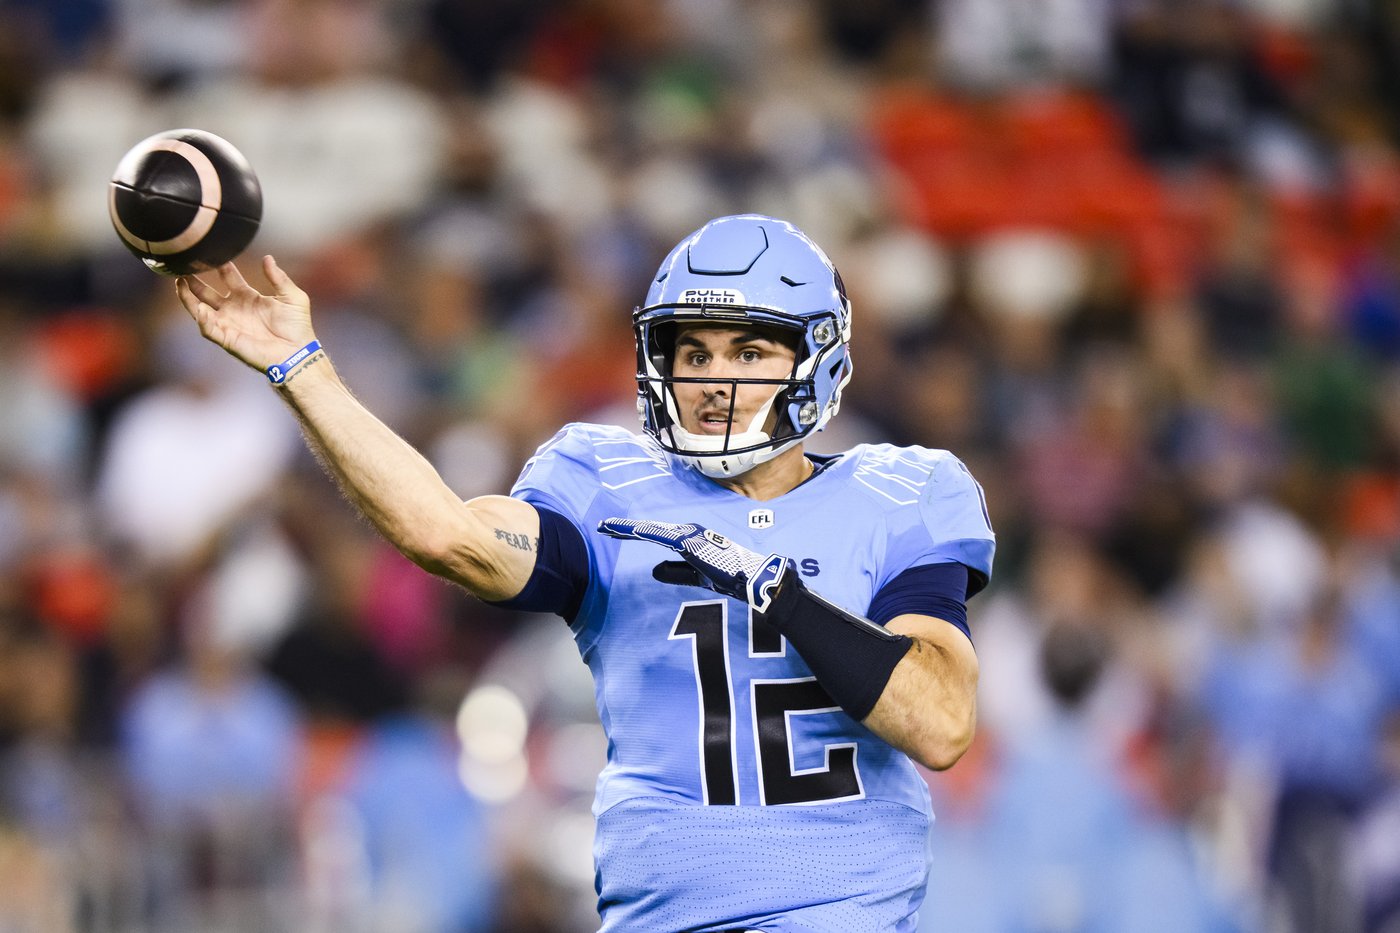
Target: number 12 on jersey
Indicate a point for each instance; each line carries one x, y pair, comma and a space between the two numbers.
774, 703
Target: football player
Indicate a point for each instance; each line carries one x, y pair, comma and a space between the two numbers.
775, 637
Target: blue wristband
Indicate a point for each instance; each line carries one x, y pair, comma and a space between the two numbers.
279, 372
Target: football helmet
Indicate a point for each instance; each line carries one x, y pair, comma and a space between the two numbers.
745, 269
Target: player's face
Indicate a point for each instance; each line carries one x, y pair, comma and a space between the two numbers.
719, 352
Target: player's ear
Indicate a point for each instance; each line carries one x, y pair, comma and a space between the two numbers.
677, 573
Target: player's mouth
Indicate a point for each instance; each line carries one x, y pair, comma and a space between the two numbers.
713, 422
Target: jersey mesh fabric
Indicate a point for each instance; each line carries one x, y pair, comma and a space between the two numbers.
840, 868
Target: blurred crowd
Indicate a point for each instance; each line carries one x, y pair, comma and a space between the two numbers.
1137, 262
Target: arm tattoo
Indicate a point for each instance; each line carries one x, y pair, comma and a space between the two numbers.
518, 541
318, 357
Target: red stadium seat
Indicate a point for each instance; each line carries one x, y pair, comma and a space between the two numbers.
1060, 124
911, 122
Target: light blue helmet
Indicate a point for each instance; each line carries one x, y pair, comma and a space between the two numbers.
747, 269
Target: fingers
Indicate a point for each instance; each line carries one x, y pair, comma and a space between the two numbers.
203, 315
282, 284
202, 291
233, 279
186, 296
666, 533
619, 527
678, 573
187, 289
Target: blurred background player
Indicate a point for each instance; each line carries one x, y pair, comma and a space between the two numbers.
766, 737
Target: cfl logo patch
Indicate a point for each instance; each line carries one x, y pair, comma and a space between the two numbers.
712, 296
761, 518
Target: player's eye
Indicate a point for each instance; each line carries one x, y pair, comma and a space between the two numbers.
696, 360
750, 355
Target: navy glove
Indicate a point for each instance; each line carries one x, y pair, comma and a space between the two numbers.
709, 559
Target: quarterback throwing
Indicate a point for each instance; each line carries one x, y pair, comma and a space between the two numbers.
775, 637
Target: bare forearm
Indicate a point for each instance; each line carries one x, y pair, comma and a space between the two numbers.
929, 706
912, 682
486, 545
391, 483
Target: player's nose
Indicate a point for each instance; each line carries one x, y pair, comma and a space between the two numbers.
721, 372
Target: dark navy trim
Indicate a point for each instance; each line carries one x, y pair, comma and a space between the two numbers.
560, 577
938, 590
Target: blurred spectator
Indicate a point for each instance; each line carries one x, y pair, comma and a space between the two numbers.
1371, 305
1066, 580
42, 432
428, 848
211, 748
211, 735
1228, 445
1312, 709
1238, 290
190, 455
328, 657
473, 42
39, 779
1081, 466
1375, 853
1191, 85
1006, 44
172, 41
1072, 848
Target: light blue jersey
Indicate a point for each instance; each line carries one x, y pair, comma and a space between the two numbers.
736, 793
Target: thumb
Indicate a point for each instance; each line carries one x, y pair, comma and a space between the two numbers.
678, 573
282, 285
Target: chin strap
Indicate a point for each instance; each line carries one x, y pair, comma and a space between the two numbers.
709, 454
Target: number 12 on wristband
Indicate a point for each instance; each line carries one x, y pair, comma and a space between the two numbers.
278, 372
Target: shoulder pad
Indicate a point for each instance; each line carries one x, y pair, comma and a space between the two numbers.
899, 474
936, 509
613, 456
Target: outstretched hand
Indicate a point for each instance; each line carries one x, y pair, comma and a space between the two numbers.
259, 329
708, 559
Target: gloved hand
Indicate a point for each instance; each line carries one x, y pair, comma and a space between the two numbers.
709, 559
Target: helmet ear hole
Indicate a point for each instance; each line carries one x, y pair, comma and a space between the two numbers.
790, 338
662, 346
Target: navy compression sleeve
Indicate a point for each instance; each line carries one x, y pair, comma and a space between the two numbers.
938, 590
560, 577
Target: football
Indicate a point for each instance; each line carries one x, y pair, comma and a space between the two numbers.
185, 201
